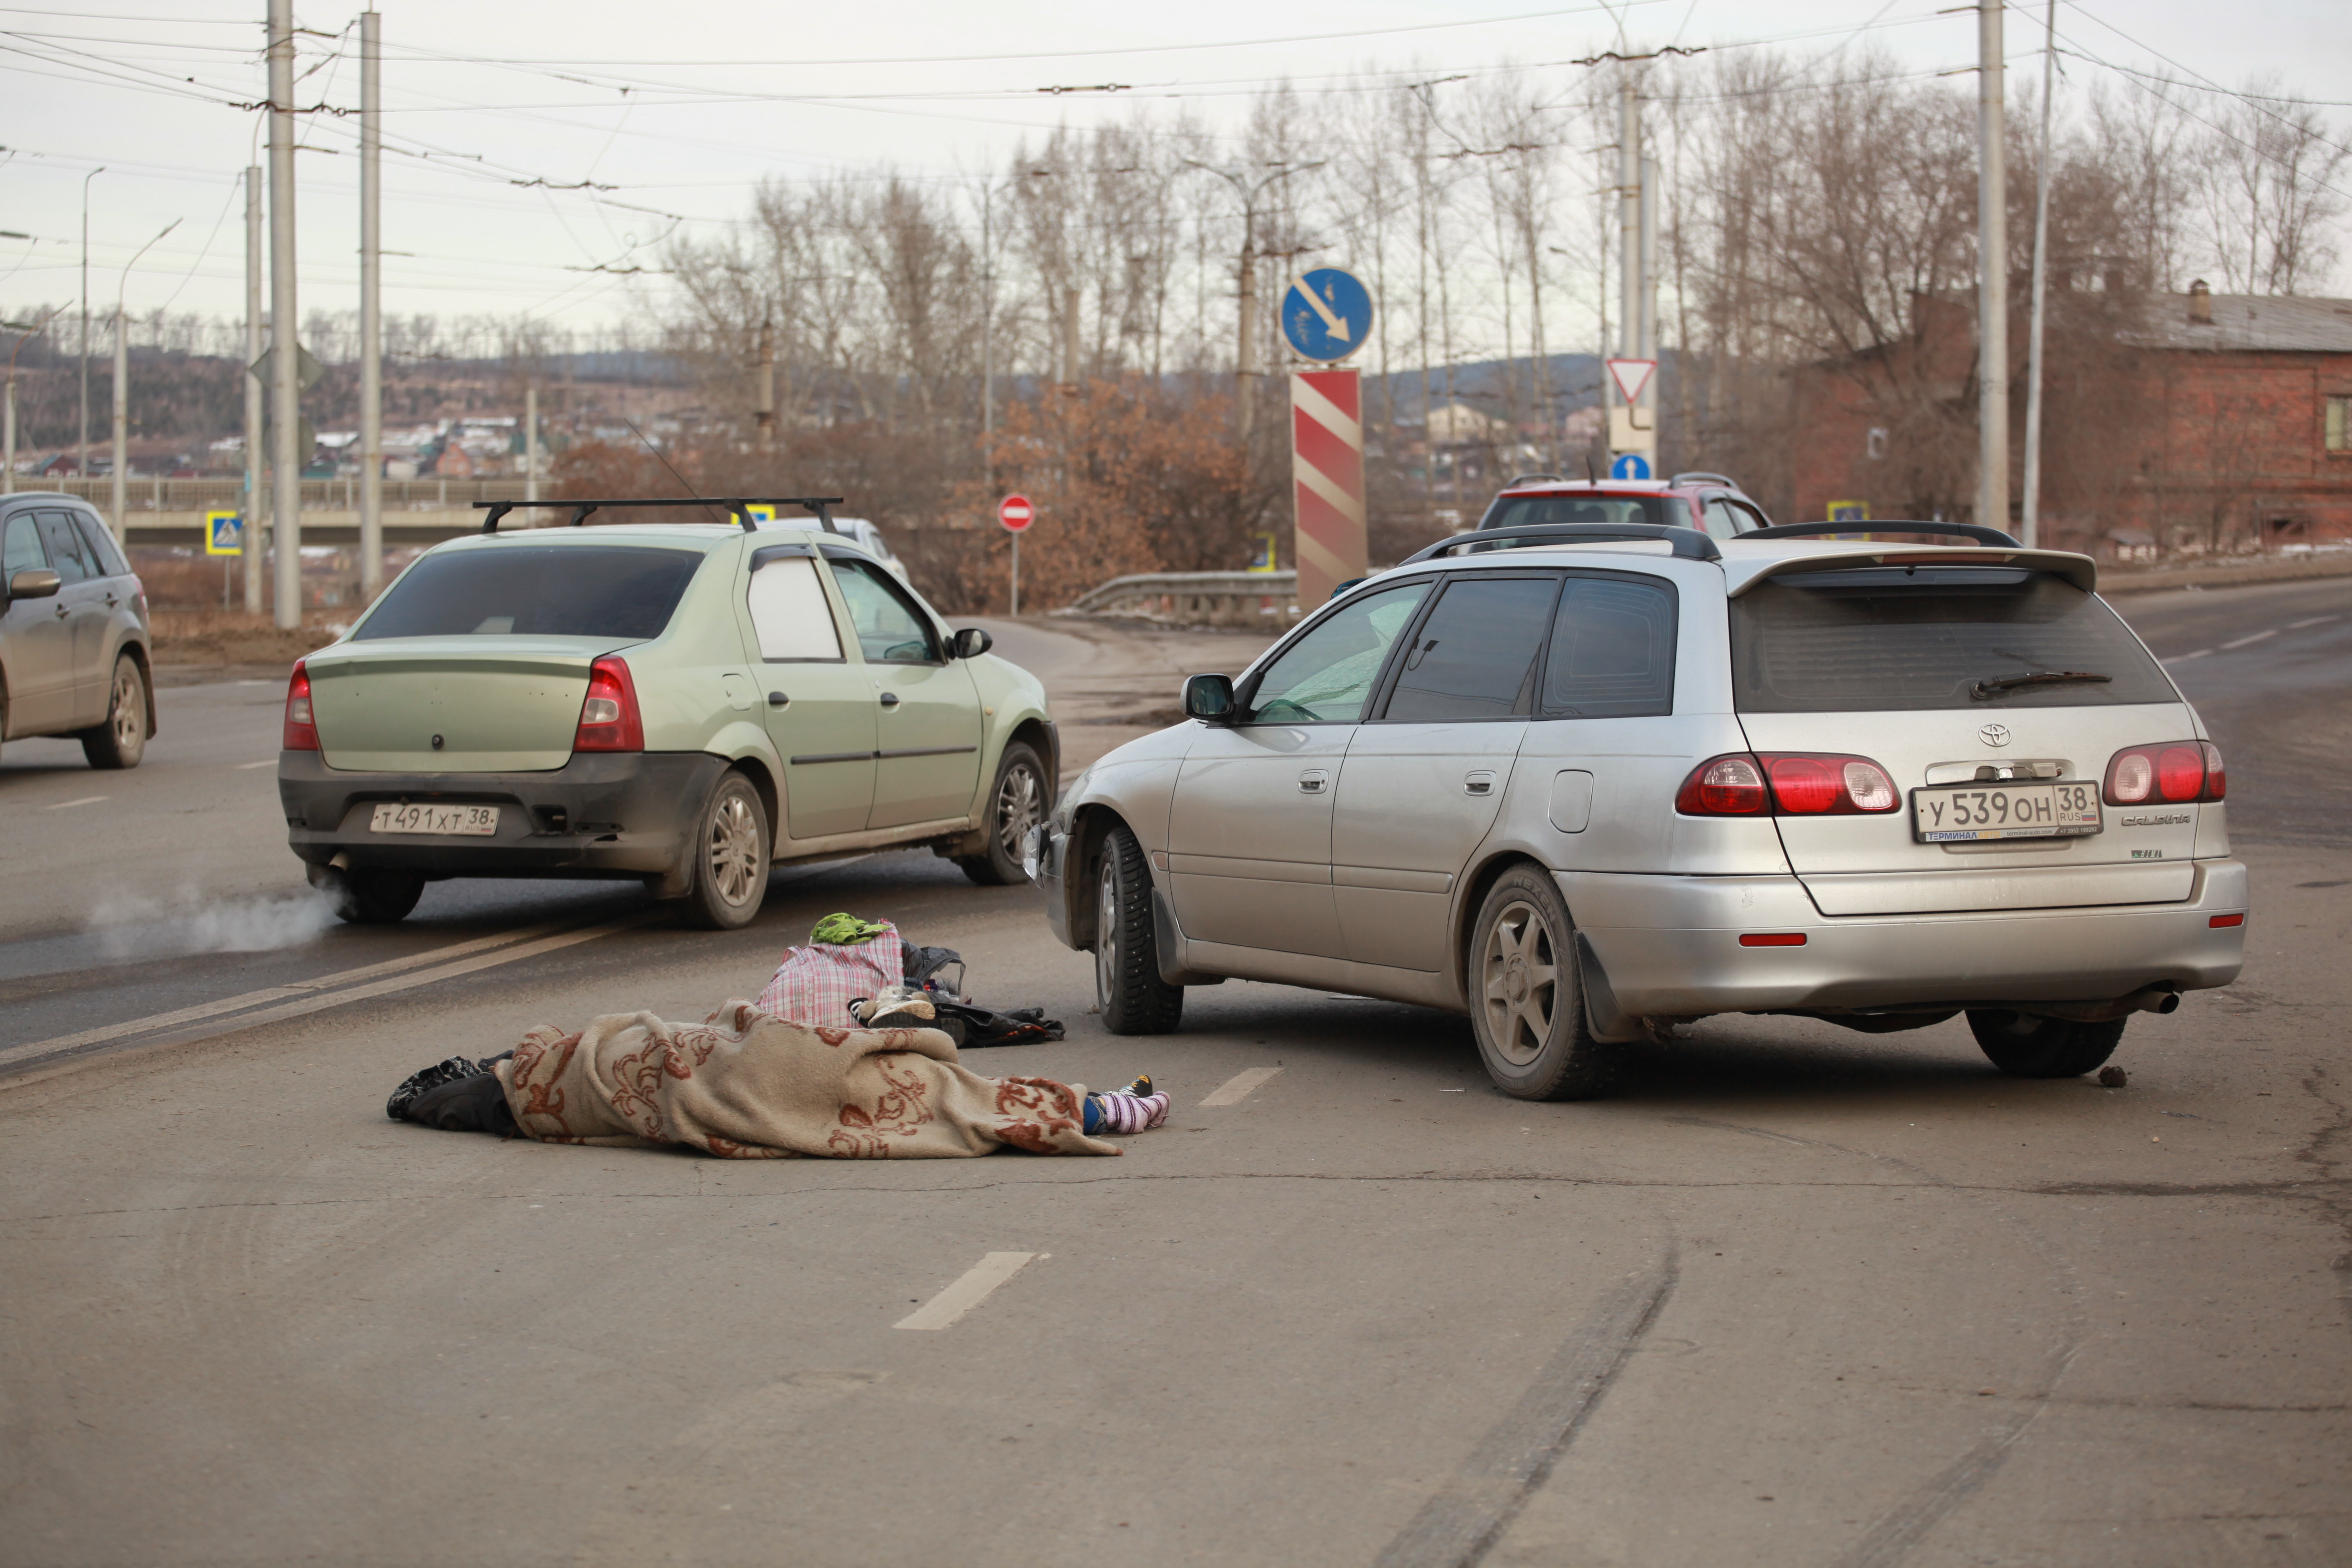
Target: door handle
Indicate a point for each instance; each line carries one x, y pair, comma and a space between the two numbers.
778, 700
1312, 780
63, 612
1479, 783
889, 699
111, 601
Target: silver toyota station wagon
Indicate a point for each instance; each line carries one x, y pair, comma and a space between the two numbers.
1608, 777
686, 703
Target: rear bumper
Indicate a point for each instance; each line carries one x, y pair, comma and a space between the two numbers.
609, 813
1669, 947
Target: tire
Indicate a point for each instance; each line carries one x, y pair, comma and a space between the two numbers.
1526, 1005
2024, 1046
1017, 802
1128, 987
729, 847
370, 898
121, 741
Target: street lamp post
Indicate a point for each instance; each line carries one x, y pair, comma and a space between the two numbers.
82, 451
1245, 370
122, 392
30, 329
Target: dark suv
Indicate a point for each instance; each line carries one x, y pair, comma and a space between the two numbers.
73, 631
1709, 502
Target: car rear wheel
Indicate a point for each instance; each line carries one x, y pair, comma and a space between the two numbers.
731, 858
1526, 1007
1017, 803
1133, 998
121, 741
2024, 1046
369, 898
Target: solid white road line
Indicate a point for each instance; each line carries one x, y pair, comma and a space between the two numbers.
1236, 1089
69, 805
2242, 642
2185, 657
977, 1283
249, 767
2313, 621
336, 998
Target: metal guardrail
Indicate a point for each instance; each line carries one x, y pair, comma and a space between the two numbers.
1195, 598
147, 493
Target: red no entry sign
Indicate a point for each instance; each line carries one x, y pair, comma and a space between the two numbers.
1016, 513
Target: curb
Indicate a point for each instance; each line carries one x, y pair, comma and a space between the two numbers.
2331, 566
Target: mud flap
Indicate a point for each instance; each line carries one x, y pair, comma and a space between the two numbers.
1603, 1016
1168, 945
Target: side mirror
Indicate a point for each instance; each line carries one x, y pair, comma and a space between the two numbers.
1209, 697
971, 642
36, 583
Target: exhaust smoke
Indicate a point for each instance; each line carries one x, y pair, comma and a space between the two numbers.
127, 926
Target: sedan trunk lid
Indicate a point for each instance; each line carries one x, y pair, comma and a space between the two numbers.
454, 704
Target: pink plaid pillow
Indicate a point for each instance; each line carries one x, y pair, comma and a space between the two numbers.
816, 984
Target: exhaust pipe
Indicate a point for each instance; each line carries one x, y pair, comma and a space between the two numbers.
2149, 999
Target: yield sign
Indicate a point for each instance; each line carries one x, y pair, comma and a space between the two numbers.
1631, 375
1015, 512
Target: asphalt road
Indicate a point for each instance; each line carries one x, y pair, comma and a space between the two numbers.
1794, 1296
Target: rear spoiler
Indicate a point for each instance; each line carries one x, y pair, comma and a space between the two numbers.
739, 506
1741, 574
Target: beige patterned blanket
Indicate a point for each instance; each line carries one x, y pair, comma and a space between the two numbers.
746, 1085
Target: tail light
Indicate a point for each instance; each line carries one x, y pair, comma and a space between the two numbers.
609, 719
302, 724
2165, 772
1787, 784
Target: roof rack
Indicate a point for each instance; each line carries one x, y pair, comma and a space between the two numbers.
1688, 542
1701, 476
739, 506
1975, 530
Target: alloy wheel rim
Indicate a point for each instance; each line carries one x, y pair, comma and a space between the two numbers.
1107, 935
1519, 983
734, 848
1018, 809
126, 710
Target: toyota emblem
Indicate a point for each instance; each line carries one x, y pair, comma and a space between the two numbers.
1994, 734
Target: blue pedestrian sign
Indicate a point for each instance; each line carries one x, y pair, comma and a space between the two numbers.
1629, 466
223, 533
1326, 314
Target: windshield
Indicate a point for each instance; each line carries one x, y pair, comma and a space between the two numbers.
521, 590
1527, 511
1881, 639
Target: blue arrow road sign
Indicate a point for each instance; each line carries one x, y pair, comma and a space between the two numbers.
1326, 314
1630, 466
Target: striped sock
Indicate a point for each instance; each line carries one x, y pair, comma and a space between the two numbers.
1117, 1112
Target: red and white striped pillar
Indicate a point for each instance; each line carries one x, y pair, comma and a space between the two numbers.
1327, 472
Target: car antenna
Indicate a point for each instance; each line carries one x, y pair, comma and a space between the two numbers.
656, 451
1589, 477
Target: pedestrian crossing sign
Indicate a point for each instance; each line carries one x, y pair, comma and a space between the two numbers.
760, 512
225, 532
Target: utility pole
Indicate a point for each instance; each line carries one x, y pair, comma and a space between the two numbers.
766, 412
1629, 222
1992, 277
2030, 503
285, 371
1650, 191
256, 531
1244, 368
370, 305
1070, 337
531, 442
1633, 427
27, 331
987, 340
81, 450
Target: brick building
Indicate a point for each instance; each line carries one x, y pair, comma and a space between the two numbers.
2187, 422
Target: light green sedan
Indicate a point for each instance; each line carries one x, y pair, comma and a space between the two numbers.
683, 703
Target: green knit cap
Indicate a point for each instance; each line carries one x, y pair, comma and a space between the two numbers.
847, 930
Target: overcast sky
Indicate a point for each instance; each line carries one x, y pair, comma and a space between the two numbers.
724, 92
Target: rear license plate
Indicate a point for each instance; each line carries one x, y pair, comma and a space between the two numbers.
1966, 813
479, 821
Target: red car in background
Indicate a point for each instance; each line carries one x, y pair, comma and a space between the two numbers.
1710, 502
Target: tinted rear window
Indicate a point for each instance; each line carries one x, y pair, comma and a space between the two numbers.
616, 591
1527, 511
1882, 640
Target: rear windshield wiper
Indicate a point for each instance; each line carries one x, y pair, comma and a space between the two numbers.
1984, 689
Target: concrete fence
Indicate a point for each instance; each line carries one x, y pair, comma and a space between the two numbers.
1195, 598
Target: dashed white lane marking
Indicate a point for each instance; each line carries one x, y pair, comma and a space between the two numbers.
69, 805
2242, 642
1236, 1089
2313, 621
249, 767
2185, 657
975, 1285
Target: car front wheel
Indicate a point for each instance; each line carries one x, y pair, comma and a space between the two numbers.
1527, 1006
121, 741
2024, 1046
1133, 998
1017, 802
729, 847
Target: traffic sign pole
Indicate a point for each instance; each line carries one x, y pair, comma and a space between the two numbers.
1327, 471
